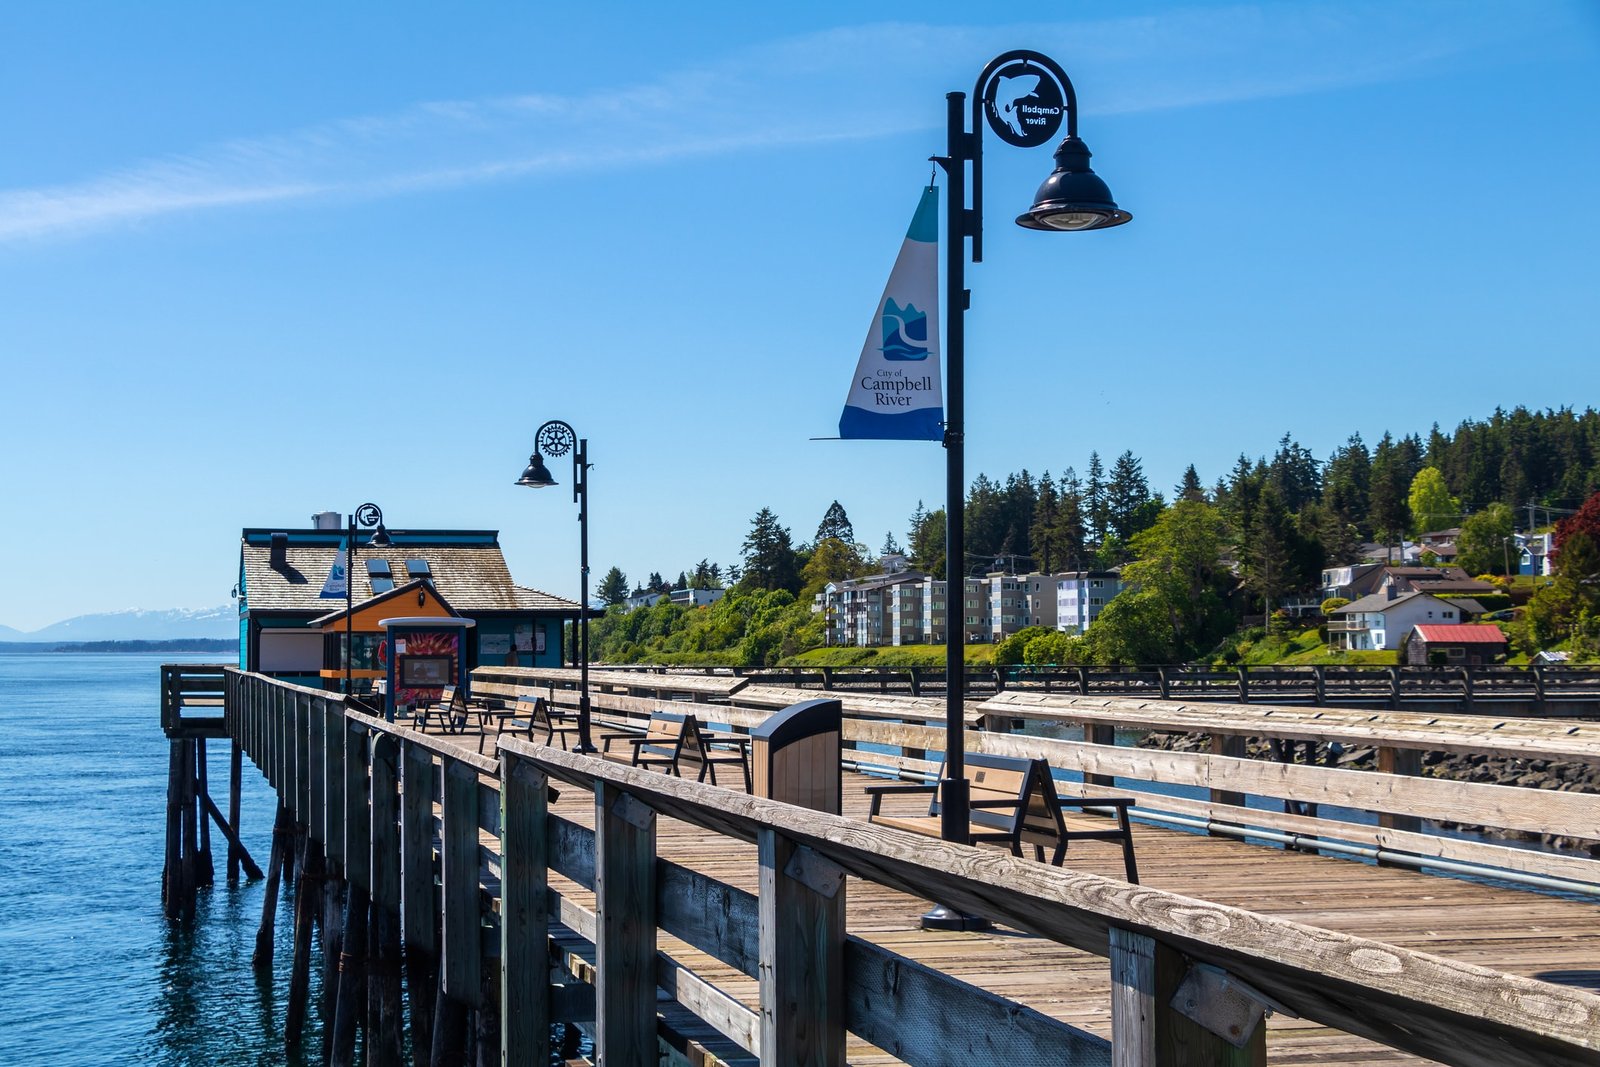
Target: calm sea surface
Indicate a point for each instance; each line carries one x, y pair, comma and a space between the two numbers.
91, 971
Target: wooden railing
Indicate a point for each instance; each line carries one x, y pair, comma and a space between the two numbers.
896, 734
1532, 690
404, 817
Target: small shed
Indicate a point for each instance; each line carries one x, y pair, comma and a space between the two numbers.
1455, 646
362, 627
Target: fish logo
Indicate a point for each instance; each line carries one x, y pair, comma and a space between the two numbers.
1010, 92
905, 332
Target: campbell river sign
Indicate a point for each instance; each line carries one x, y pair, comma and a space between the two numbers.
1026, 98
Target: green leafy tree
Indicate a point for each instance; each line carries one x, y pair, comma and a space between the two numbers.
769, 556
1011, 649
613, 588
832, 560
1055, 649
1177, 601
1484, 546
1432, 507
835, 523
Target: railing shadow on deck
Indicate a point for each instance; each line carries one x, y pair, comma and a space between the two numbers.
404, 817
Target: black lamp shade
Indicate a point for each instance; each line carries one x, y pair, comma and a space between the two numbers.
537, 475
1073, 197
380, 538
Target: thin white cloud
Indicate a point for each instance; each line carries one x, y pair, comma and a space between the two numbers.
848, 83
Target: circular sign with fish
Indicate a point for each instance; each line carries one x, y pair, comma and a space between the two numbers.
1024, 101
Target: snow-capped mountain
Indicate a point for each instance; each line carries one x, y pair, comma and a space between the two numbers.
137, 624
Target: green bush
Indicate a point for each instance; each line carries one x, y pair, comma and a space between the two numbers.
1333, 604
1012, 648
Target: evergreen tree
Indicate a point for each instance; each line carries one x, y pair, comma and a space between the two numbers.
1347, 484
656, 585
984, 518
1067, 542
1294, 474
1094, 498
1190, 488
1126, 493
926, 540
1042, 532
891, 547
1390, 513
613, 588
769, 556
835, 523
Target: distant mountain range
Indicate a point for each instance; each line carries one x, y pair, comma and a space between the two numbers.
136, 625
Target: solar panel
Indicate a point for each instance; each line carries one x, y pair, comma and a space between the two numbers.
378, 568
418, 568
382, 585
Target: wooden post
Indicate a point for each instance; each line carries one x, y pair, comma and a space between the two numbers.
191, 834
282, 838
1228, 745
802, 906
419, 904
1147, 1027
1399, 761
1319, 677
333, 902
1244, 684
308, 893
1166, 683
1538, 688
383, 972
205, 867
625, 942
524, 922
460, 950
351, 974
1394, 688
172, 873
1466, 689
235, 783
333, 784
1098, 734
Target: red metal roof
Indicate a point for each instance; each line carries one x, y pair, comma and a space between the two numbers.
1461, 635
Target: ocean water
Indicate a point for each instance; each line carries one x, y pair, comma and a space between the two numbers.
91, 970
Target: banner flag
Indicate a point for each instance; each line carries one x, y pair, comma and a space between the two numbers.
895, 394
335, 585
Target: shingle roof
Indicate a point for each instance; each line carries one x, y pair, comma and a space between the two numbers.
473, 577
1376, 602
1461, 635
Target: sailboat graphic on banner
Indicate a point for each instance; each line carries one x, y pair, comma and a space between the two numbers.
895, 394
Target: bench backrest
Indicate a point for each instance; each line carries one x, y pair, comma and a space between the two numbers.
535, 708
1025, 783
673, 731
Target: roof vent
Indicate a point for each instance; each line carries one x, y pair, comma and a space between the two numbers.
278, 559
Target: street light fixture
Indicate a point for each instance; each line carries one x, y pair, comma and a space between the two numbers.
1024, 97
557, 438
365, 515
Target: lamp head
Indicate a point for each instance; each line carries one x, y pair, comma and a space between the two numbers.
537, 475
1073, 197
380, 538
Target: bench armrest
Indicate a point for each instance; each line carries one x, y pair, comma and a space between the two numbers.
991, 803
878, 792
1096, 802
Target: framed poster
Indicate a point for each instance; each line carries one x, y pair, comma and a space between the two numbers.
524, 637
494, 644
538, 640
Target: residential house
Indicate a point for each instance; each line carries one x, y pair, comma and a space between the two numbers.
1440, 581
1378, 621
1352, 582
1455, 646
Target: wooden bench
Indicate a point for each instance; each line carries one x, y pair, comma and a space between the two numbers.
672, 738
531, 715
450, 712
1015, 800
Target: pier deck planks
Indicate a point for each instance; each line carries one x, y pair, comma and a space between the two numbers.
1511, 930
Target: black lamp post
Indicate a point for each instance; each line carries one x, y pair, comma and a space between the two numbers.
557, 438
1024, 97
365, 515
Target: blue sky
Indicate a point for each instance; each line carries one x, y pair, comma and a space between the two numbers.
264, 261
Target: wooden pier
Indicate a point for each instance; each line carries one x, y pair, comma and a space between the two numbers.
734, 928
